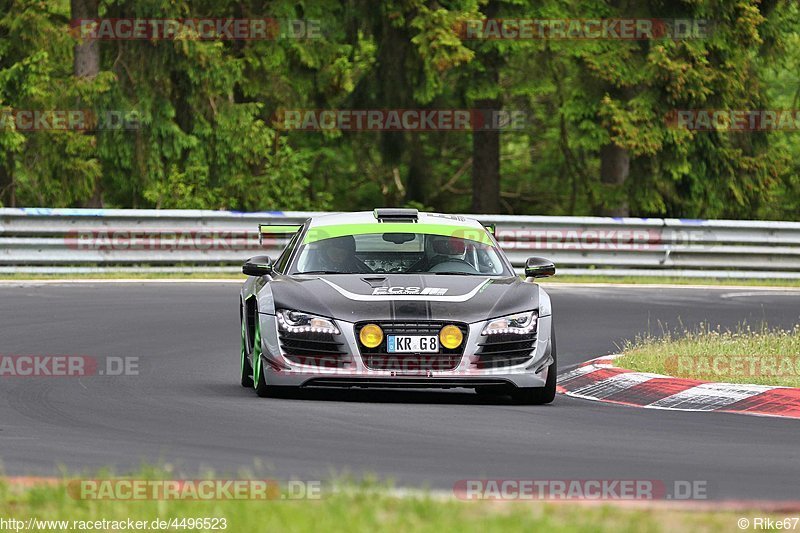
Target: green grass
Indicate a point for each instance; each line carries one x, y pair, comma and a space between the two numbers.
143, 274
365, 508
669, 280
628, 280
764, 356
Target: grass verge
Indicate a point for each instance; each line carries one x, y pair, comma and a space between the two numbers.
356, 509
763, 357
670, 280
142, 274
625, 280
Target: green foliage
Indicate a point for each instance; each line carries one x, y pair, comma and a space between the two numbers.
206, 137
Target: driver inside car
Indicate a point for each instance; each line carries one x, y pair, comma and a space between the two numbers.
447, 249
339, 255
441, 249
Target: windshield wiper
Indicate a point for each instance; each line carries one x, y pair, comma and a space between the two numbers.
451, 273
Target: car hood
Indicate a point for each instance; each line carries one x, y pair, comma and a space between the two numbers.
356, 297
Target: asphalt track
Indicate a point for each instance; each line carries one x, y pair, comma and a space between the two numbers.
185, 407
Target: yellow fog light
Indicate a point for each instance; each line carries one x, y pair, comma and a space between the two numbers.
371, 335
450, 337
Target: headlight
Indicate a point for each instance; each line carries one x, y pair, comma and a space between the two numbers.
521, 323
299, 322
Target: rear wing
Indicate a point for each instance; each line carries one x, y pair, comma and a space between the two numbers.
276, 230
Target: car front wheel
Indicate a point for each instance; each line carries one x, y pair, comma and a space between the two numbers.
270, 391
246, 367
541, 395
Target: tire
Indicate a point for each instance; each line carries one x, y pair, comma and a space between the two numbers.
262, 389
259, 379
246, 367
271, 391
540, 395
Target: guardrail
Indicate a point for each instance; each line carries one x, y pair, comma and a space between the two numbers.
90, 240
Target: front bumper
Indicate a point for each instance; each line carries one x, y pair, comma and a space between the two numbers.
280, 371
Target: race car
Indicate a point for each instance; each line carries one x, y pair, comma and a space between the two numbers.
396, 298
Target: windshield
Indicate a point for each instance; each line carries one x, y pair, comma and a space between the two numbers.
405, 253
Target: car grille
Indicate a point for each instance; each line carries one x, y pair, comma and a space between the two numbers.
502, 350
379, 359
316, 349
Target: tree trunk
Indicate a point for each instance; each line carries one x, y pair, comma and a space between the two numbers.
615, 166
393, 91
486, 166
418, 171
7, 193
86, 64
87, 53
486, 143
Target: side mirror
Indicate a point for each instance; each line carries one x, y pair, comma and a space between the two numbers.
539, 267
260, 265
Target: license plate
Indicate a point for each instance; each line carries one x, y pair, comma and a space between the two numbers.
412, 343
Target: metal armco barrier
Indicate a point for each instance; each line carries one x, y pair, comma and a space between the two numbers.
85, 240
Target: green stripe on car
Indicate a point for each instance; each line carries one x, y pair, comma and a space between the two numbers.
319, 233
244, 347
257, 352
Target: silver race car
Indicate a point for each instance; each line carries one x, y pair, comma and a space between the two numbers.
396, 298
